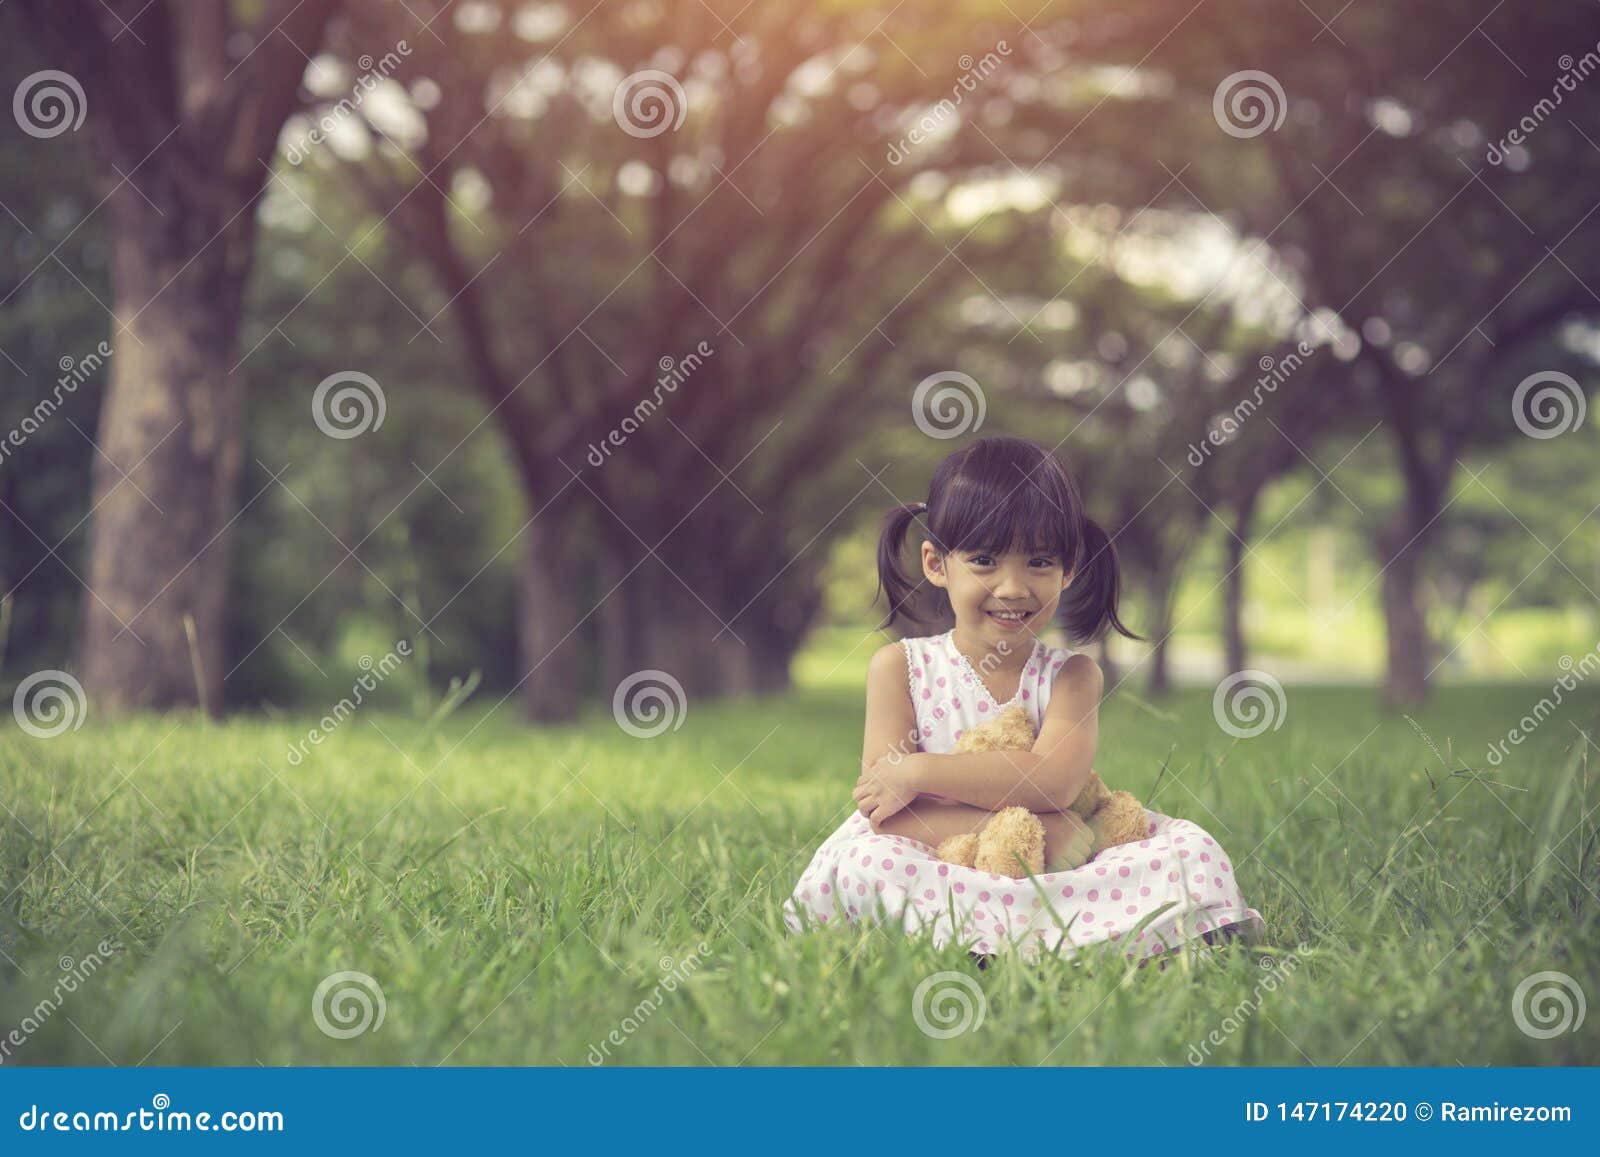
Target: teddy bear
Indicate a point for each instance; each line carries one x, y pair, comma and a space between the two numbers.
1011, 842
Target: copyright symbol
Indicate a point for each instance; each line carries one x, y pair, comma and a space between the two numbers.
1424, 1111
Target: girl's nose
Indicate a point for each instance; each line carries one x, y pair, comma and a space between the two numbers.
1010, 585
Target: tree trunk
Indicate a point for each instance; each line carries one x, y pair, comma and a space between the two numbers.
1110, 672
772, 631
1159, 682
1235, 657
171, 446
550, 618
652, 623
182, 141
617, 617
1409, 648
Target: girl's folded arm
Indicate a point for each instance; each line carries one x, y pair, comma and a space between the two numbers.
1046, 778
891, 726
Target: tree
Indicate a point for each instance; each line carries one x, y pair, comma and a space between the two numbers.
1444, 254
184, 106
755, 249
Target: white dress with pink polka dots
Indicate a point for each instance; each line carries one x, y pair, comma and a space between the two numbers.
1173, 886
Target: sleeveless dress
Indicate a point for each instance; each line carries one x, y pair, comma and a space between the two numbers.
1151, 895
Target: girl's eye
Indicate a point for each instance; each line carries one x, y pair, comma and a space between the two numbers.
980, 560
1046, 561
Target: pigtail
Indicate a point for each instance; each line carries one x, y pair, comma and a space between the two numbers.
893, 584
1089, 605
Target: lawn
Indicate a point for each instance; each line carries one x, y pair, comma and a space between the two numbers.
536, 896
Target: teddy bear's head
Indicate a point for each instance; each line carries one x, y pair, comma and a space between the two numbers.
1011, 730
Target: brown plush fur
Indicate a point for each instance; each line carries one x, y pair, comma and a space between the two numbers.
1011, 842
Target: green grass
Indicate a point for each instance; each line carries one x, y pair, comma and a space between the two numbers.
514, 891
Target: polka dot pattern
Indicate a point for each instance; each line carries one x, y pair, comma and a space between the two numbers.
861, 877
899, 882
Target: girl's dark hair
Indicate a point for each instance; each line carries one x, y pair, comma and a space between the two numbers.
1000, 494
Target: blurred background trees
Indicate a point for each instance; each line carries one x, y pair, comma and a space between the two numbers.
639, 296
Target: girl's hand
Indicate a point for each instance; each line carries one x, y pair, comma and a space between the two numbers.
887, 787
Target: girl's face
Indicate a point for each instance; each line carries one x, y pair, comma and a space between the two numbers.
998, 597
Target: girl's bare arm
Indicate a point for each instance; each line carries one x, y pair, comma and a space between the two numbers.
1047, 778
891, 734
891, 728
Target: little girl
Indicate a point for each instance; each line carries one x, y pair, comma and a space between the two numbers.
1008, 544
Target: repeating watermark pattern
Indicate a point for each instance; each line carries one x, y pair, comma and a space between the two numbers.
1573, 73
326, 124
1226, 427
948, 404
648, 103
49, 103
649, 702
1274, 975
347, 1004
1548, 1004
1248, 103
674, 372
948, 1004
1542, 710
73, 973
375, 674
1557, 405
347, 404
674, 973
939, 117
49, 703
74, 372
1248, 703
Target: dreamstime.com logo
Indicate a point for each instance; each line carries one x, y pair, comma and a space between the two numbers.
1576, 673
49, 103
160, 1117
375, 672
1273, 976
1248, 103
1573, 73
73, 974
1248, 703
940, 116
649, 702
673, 973
348, 404
948, 404
74, 372
1225, 427
1548, 404
648, 103
347, 1004
948, 1004
372, 71
912, 742
674, 373
48, 703
1548, 1004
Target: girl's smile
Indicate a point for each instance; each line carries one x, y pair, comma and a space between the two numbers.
1011, 620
